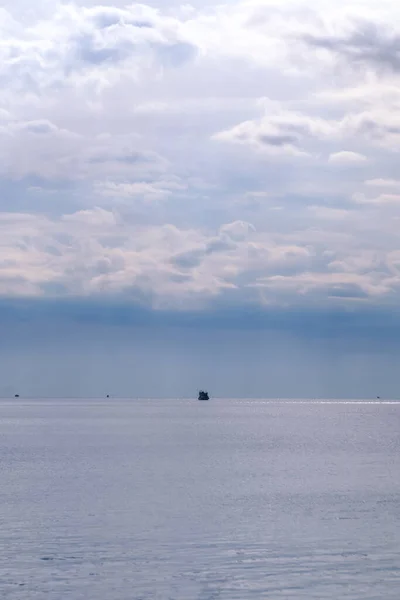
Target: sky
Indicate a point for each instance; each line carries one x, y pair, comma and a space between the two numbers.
200, 194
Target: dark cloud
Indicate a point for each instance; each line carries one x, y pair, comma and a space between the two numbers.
347, 291
277, 139
374, 127
367, 43
188, 260
40, 127
219, 245
131, 157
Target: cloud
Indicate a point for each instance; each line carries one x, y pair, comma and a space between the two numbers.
157, 190
384, 183
184, 157
379, 126
94, 217
334, 285
347, 158
381, 200
365, 42
94, 252
238, 231
330, 214
75, 39
40, 148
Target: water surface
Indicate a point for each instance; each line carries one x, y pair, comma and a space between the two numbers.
178, 499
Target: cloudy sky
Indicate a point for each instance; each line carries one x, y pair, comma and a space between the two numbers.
191, 187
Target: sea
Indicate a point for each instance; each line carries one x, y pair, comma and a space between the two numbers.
175, 499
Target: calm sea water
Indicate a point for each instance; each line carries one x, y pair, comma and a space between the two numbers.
178, 499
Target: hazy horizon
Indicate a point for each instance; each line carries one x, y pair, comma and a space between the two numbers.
82, 349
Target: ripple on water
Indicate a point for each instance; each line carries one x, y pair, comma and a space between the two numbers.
243, 500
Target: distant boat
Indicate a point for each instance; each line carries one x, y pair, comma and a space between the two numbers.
16, 396
203, 395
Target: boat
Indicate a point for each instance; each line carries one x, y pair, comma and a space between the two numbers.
203, 395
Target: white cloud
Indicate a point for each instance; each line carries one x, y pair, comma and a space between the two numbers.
337, 285
96, 251
74, 41
330, 214
284, 132
157, 190
92, 218
383, 183
381, 200
239, 230
346, 157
